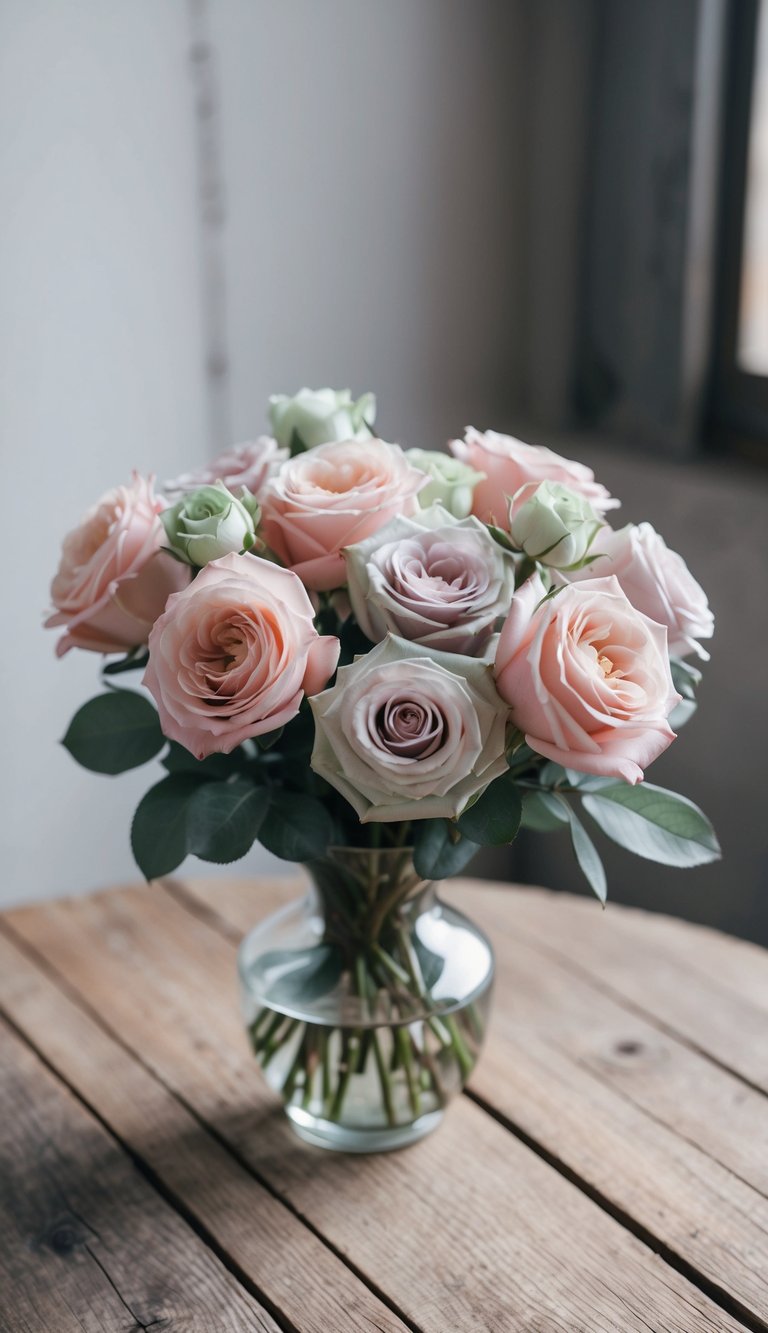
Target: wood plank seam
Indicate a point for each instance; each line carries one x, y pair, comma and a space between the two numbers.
632, 1006
730, 1304
146, 1172
156, 1181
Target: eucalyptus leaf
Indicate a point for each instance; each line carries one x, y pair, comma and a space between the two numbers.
585, 852
160, 834
652, 822
114, 732
494, 818
539, 814
225, 818
440, 850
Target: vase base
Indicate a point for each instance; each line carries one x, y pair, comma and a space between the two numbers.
341, 1138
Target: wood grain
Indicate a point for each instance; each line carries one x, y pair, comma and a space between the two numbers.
256, 1231
660, 1132
470, 1231
85, 1242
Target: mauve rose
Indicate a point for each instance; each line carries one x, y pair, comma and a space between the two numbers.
113, 579
508, 464
410, 734
657, 581
432, 579
250, 465
331, 497
233, 655
587, 678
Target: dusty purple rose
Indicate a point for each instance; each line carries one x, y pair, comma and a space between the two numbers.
432, 579
410, 734
250, 465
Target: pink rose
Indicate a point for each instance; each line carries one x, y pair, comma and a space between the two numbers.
250, 465
509, 464
331, 497
657, 582
113, 580
587, 678
234, 653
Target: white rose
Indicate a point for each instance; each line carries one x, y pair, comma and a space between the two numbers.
657, 582
451, 483
408, 735
552, 524
320, 416
437, 581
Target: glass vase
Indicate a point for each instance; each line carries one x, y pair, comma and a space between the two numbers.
366, 1001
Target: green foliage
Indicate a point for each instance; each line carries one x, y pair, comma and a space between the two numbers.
542, 812
114, 732
160, 829
214, 766
440, 850
298, 828
303, 974
224, 818
585, 852
135, 660
652, 822
494, 818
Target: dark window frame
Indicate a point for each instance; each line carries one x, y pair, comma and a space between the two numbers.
739, 398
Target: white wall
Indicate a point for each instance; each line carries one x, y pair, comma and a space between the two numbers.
362, 231
100, 365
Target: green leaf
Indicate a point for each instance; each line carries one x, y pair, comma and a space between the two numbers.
431, 965
160, 830
494, 818
133, 661
299, 828
269, 738
353, 642
114, 732
542, 812
585, 852
297, 445
303, 975
224, 819
214, 766
440, 850
654, 823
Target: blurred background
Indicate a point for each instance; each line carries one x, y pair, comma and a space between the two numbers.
549, 217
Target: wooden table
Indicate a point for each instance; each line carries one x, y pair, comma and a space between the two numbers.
607, 1170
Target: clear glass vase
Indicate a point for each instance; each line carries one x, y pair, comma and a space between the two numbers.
366, 1001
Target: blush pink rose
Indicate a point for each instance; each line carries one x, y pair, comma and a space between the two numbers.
508, 464
587, 678
234, 653
657, 582
113, 579
250, 465
331, 497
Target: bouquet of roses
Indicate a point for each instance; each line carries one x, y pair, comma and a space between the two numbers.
352, 644
376, 662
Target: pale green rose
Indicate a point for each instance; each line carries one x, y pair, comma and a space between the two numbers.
452, 483
211, 522
433, 579
410, 733
553, 524
320, 416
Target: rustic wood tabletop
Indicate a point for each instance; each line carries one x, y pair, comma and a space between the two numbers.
608, 1168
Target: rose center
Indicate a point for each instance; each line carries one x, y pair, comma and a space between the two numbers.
410, 728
